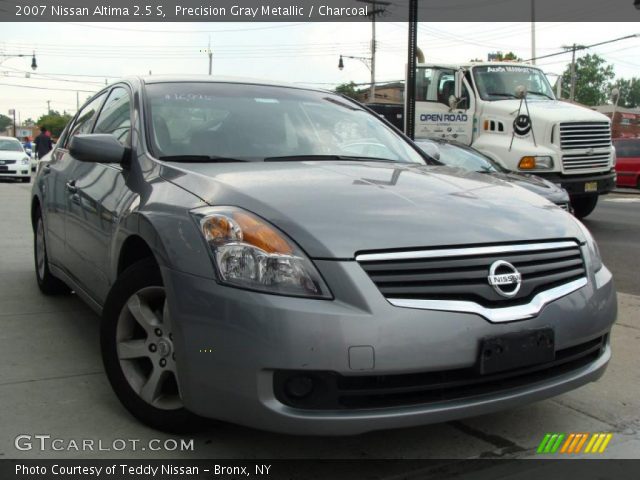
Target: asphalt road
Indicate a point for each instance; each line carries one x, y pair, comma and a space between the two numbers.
52, 382
615, 224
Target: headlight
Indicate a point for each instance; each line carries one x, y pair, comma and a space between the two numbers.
592, 246
25, 161
250, 253
614, 156
535, 163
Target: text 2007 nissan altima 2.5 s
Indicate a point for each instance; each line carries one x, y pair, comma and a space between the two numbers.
282, 258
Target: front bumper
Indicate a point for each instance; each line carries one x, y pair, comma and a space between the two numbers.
575, 184
230, 343
16, 171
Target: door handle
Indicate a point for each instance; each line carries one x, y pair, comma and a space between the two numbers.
71, 186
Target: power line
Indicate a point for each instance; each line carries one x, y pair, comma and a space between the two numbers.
584, 47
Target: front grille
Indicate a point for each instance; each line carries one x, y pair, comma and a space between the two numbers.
7, 162
462, 273
583, 135
583, 161
332, 391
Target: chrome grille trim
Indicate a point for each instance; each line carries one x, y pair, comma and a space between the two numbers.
495, 315
464, 251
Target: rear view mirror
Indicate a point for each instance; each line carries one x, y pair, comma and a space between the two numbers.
97, 148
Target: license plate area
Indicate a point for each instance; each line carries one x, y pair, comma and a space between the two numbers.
591, 187
516, 350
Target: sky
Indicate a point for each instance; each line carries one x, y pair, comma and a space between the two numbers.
75, 59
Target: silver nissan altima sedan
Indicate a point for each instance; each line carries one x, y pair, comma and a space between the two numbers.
280, 257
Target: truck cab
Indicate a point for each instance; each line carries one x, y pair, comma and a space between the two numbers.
509, 112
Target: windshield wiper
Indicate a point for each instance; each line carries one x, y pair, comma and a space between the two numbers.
199, 159
324, 158
542, 94
502, 94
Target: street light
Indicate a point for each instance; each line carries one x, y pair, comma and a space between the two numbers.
34, 64
367, 62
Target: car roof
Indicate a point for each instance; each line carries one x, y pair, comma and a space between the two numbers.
153, 79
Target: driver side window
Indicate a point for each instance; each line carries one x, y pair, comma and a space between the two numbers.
115, 116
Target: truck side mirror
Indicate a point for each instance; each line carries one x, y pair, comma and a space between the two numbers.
459, 78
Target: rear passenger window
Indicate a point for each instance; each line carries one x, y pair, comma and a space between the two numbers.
85, 118
115, 116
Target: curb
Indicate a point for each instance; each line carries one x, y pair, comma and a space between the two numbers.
626, 191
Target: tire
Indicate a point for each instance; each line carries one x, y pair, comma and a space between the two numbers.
137, 350
583, 206
48, 284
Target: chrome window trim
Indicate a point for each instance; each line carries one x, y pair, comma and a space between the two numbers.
495, 315
463, 252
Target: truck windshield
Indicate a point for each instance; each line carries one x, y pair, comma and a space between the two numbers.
196, 121
497, 82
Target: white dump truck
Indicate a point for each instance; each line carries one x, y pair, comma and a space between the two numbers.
509, 112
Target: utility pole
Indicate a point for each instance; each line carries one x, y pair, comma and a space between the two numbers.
533, 32
410, 109
572, 85
374, 12
48, 106
77, 100
210, 57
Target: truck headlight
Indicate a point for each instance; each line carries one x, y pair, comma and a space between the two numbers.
536, 163
250, 253
25, 161
595, 260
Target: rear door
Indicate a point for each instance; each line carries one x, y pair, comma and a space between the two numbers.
99, 190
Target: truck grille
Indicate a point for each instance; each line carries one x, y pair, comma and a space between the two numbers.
462, 273
584, 135
585, 146
581, 161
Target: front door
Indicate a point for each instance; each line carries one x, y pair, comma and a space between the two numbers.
438, 115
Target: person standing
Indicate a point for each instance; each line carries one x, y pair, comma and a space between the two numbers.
43, 143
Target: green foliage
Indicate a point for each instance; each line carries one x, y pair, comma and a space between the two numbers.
504, 57
4, 122
348, 89
593, 75
629, 92
54, 122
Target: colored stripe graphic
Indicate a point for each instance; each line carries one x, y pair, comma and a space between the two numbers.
573, 443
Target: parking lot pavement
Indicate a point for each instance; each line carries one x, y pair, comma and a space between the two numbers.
52, 383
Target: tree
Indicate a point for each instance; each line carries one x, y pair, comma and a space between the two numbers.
54, 122
29, 122
629, 92
593, 75
4, 122
503, 57
348, 89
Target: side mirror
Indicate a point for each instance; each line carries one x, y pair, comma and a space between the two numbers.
453, 102
97, 148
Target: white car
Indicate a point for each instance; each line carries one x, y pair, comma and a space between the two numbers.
14, 161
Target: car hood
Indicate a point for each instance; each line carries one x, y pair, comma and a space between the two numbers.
10, 155
337, 209
535, 184
547, 110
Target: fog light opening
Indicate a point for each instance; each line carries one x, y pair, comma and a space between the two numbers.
299, 386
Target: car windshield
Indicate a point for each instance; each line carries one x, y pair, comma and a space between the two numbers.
462, 157
226, 121
10, 145
497, 82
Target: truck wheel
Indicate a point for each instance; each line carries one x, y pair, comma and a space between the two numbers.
583, 206
137, 350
